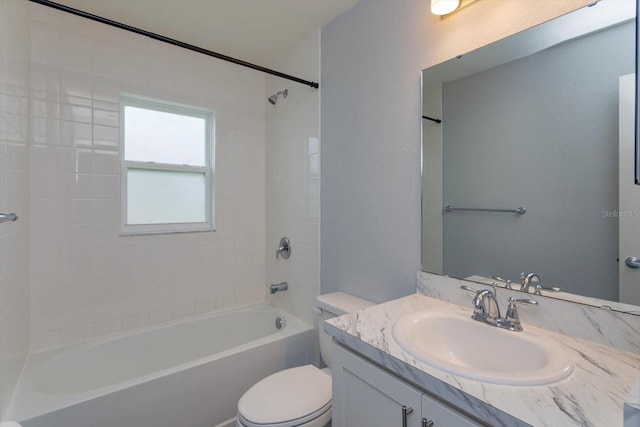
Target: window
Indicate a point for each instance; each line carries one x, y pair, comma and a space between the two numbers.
167, 174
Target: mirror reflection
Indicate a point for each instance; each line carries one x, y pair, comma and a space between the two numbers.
525, 172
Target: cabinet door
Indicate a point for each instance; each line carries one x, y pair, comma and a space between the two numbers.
366, 396
442, 415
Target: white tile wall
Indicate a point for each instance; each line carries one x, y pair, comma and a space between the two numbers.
86, 280
293, 180
14, 187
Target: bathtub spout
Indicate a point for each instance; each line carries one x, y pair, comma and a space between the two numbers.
277, 287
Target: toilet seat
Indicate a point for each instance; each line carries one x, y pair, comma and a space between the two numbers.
287, 398
322, 417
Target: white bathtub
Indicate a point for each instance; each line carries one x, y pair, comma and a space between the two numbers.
186, 374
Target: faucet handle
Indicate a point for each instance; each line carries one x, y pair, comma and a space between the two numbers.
511, 320
468, 288
539, 289
524, 301
507, 282
512, 311
284, 248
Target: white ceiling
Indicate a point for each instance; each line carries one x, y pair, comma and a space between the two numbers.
257, 31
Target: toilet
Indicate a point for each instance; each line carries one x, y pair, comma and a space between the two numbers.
298, 396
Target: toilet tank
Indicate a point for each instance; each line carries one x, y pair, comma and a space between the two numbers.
331, 305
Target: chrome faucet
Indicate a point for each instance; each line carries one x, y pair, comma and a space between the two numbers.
486, 310
527, 279
485, 307
277, 287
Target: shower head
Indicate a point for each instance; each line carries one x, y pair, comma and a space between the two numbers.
274, 98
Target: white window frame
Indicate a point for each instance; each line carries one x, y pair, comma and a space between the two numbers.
208, 170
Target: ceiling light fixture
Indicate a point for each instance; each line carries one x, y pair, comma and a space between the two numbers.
444, 7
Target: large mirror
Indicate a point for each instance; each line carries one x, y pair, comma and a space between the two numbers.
529, 160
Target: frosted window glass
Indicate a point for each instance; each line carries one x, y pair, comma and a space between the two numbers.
157, 136
165, 197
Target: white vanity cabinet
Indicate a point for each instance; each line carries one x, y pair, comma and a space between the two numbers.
364, 395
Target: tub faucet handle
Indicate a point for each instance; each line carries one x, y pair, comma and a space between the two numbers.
284, 248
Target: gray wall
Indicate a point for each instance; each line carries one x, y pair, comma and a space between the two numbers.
538, 133
370, 128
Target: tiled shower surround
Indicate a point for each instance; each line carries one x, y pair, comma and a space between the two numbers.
293, 180
86, 280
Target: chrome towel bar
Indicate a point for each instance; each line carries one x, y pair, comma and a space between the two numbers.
519, 211
8, 217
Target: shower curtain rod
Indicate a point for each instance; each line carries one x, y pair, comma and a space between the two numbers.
173, 41
432, 119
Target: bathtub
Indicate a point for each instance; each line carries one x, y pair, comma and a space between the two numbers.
184, 374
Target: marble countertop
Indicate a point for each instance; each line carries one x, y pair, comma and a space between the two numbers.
593, 395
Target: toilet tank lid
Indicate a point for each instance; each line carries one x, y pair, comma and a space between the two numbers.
340, 303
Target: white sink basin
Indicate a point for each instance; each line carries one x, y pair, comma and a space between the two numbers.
455, 343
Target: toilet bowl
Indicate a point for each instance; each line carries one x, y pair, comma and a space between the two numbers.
298, 396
